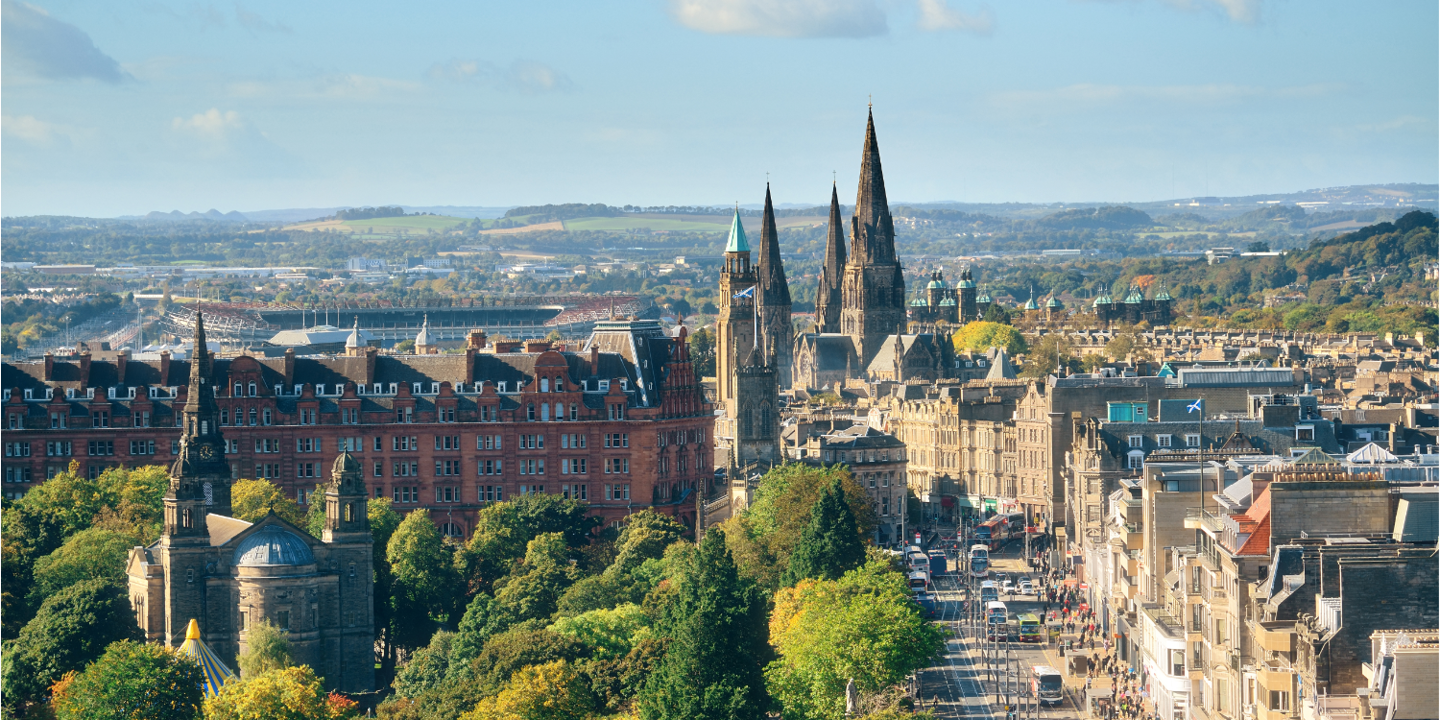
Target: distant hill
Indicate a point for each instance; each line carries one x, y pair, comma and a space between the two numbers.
1112, 217
211, 214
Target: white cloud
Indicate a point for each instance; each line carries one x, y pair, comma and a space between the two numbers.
211, 125
782, 18
36, 46
936, 15
326, 87
28, 128
525, 76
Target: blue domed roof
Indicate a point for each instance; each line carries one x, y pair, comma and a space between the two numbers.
273, 545
918, 302
966, 284
947, 302
936, 283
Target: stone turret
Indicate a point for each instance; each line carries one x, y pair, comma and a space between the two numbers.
775, 305
828, 300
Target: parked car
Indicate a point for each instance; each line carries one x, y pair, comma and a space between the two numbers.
1026, 587
1008, 586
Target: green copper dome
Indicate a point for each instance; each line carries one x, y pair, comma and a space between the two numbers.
737, 241
966, 284
1053, 303
947, 302
918, 302
936, 283
984, 297
1104, 299
1164, 294
1031, 305
1135, 297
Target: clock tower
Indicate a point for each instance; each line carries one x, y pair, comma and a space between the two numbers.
200, 477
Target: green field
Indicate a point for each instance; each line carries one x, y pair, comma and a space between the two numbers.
407, 224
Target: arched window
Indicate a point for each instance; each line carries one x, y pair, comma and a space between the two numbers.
559, 385
204, 427
185, 518
252, 416
349, 512
252, 389
544, 411
530, 412
544, 384
239, 390
574, 412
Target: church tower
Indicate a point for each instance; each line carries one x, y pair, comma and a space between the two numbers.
735, 324
776, 328
757, 412
827, 298
199, 479
873, 288
968, 310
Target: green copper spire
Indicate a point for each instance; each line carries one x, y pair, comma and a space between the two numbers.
737, 236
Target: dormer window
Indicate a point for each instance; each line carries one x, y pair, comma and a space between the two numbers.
604, 386
434, 388
377, 389
502, 386
394, 388
415, 388
360, 389
319, 389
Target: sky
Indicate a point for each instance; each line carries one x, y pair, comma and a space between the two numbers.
127, 106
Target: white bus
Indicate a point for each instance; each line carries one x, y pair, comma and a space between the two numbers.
980, 561
1047, 684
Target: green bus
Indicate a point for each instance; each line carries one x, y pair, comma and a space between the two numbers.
1029, 628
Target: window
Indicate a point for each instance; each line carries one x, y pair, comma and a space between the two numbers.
19, 449
57, 448
404, 415
142, 447
379, 469
1177, 663
17, 474
489, 467
574, 411
1280, 700
617, 491
572, 466
224, 416
1137, 441
239, 390
102, 447
446, 414
265, 417
1192, 440
447, 442
1136, 460
1305, 433
1163, 441
307, 445
572, 441
267, 470
267, 445
447, 468
493, 493
487, 442
305, 470
404, 443
405, 469
617, 440
618, 466
378, 445
407, 494
447, 494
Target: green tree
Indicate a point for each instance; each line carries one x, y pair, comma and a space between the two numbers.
996, 314
552, 691
72, 628
383, 523
253, 499
291, 693
507, 652
533, 591
715, 624
424, 579
133, 681
95, 553
267, 648
702, 350
612, 633
830, 545
645, 536
980, 336
427, 666
781, 510
503, 532
1053, 352
862, 626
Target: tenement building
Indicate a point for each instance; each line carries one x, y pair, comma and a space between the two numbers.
229, 575
621, 424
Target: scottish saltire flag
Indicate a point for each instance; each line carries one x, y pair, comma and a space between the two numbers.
746, 293
1193, 407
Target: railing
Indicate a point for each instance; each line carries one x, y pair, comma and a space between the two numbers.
1200, 519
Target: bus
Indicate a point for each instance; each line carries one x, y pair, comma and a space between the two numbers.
988, 592
1030, 628
1047, 684
919, 581
996, 617
980, 561
993, 532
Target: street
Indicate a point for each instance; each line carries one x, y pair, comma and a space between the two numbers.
970, 679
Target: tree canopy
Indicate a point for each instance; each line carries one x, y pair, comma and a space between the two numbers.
133, 681
980, 336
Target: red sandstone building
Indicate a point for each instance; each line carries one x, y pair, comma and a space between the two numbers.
622, 424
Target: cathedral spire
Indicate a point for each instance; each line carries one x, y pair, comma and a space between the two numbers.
872, 231
832, 271
774, 289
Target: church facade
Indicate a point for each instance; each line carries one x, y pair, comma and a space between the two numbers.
229, 574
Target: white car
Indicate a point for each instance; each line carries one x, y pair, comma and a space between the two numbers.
1025, 587
1008, 587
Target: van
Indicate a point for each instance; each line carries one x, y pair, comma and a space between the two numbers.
1047, 684
988, 593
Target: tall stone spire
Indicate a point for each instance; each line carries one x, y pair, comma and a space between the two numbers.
775, 305
775, 290
872, 231
832, 271
200, 477
873, 290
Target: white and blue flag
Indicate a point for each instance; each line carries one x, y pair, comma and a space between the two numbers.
746, 293
1195, 407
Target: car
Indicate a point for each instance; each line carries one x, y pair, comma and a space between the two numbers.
1000, 578
1026, 587
1007, 586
